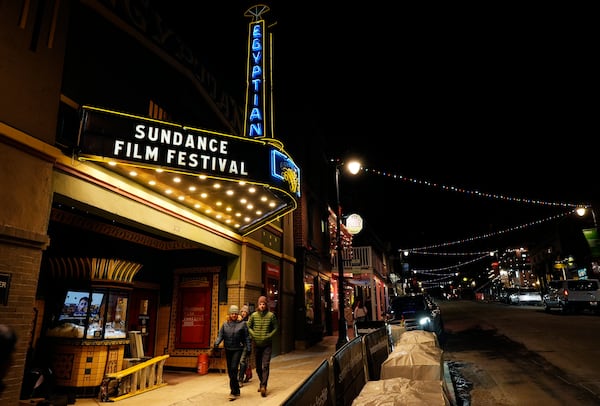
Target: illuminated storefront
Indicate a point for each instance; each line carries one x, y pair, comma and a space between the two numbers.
108, 165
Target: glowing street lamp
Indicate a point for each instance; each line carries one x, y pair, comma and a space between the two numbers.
353, 168
582, 211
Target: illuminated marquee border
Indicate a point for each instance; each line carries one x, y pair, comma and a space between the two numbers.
107, 135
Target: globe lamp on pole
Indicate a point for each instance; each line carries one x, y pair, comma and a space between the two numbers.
353, 167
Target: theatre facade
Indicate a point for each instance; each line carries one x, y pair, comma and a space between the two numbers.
132, 181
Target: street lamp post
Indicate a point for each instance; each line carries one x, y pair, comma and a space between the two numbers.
353, 167
342, 332
582, 211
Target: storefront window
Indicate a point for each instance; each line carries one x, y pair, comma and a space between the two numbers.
95, 314
323, 303
272, 276
116, 316
309, 295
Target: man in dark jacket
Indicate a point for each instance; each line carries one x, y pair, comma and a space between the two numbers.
262, 325
235, 337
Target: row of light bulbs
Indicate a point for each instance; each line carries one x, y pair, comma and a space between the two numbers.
579, 209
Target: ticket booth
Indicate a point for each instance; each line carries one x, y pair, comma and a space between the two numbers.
86, 332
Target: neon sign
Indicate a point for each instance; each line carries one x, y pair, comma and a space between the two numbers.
255, 103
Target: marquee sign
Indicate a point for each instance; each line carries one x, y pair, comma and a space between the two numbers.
123, 137
114, 136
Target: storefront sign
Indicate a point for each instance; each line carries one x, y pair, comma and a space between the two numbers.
354, 224
4, 287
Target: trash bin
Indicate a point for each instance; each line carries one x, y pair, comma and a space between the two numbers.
202, 364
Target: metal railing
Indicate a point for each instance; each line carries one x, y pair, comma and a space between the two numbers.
361, 258
135, 380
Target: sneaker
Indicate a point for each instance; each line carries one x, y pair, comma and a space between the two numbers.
241, 384
263, 391
232, 397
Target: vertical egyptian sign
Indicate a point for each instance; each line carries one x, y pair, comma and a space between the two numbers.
255, 121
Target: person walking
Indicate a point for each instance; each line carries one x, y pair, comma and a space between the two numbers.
234, 335
349, 316
245, 373
263, 325
360, 312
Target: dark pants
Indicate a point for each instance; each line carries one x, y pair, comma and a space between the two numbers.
233, 363
263, 363
243, 365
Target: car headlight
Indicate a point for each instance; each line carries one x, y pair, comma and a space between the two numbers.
423, 321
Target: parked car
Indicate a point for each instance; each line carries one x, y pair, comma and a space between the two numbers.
505, 293
573, 296
417, 312
525, 296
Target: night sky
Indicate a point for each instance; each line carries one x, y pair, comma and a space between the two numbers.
482, 98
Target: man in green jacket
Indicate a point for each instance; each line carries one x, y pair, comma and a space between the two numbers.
262, 326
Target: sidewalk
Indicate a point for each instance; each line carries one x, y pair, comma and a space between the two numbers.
188, 388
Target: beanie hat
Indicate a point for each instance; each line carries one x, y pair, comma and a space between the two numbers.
245, 309
234, 309
262, 299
